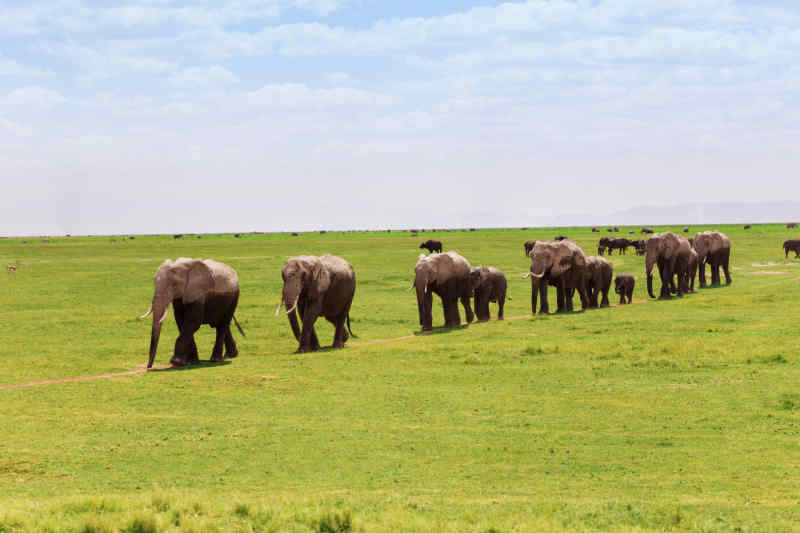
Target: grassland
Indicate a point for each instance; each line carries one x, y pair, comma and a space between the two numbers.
673, 415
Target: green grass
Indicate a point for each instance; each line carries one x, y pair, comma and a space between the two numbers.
670, 415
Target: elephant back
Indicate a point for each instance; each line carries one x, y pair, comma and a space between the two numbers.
225, 278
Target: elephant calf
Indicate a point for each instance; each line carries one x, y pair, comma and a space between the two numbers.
623, 285
598, 280
488, 285
201, 292
318, 286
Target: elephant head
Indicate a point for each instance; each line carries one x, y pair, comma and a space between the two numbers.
708, 243
478, 275
435, 270
555, 258
303, 276
189, 280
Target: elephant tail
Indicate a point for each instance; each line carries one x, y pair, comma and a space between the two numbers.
348, 327
238, 326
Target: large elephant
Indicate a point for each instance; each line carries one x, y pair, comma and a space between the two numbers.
671, 253
488, 285
446, 275
562, 264
201, 292
317, 286
713, 248
599, 273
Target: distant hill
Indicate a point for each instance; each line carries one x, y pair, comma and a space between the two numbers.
695, 213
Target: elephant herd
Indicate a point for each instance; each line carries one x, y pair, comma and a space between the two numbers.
207, 292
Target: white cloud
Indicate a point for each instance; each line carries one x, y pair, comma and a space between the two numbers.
30, 99
10, 68
213, 76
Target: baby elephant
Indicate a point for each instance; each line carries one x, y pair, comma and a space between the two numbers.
432, 246
489, 285
623, 285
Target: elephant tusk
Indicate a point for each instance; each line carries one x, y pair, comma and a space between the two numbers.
537, 276
426, 289
289, 312
278, 310
147, 314
164, 315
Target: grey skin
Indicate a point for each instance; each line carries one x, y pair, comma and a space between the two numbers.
562, 264
488, 285
313, 287
447, 275
201, 292
599, 273
671, 253
713, 248
624, 285
692, 269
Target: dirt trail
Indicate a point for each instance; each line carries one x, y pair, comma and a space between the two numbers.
143, 370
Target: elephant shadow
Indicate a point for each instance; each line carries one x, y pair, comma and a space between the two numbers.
441, 330
197, 366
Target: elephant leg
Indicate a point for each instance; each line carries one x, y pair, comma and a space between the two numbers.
185, 347
561, 298
605, 302
701, 275
583, 296
230, 345
725, 267
469, 315
340, 334
569, 294
622, 298
501, 302
457, 313
545, 307
308, 337
448, 313
219, 342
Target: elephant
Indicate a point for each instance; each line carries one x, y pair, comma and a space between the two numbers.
624, 285
488, 285
317, 286
447, 275
713, 248
691, 270
201, 292
598, 280
671, 253
792, 245
432, 246
563, 265
528, 246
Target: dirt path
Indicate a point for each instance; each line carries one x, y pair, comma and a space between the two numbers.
143, 370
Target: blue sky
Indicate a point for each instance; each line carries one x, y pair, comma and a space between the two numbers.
276, 115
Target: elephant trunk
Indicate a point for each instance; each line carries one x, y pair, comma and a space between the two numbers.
159, 309
424, 302
291, 297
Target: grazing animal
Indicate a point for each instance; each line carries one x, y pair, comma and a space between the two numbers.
623, 285
489, 285
792, 245
640, 246
616, 229
563, 265
598, 280
612, 244
747, 226
713, 248
791, 225
447, 275
313, 287
12, 268
610, 230
432, 246
560, 238
178, 236
595, 230
647, 230
686, 230
201, 292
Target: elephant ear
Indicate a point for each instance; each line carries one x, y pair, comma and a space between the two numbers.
199, 282
321, 278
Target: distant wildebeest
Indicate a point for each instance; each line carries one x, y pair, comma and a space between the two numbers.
647, 230
561, 238
747, 226
595, 230
792, 245
610, 230
295, 234
641, 246
432, 246
237, 235
178, 236
612, 244
623, 285
686, 230
616, 229
791, 225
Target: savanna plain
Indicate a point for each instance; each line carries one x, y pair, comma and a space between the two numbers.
676, 415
